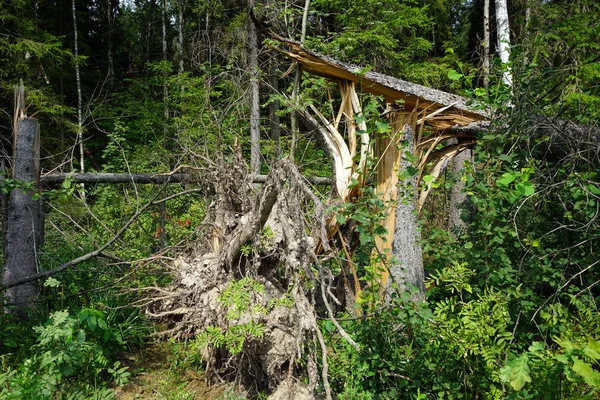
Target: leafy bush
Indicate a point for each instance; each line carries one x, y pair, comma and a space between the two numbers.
71, 349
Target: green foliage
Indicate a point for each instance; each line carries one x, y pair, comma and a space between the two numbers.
244, 313
385, 38
70, 349
563, 48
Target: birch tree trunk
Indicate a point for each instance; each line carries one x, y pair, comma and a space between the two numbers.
254, 95
503, 33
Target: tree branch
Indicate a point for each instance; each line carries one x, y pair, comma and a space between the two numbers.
84, 257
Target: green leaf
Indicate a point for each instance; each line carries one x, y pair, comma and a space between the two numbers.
585, 370
516, 372
561, 358
526, 188
592, 349
536, 347
91, 322
52, 282
427, 178
382, 127
453, 75
506, 179
480, 92
341, 219
593, 189
67, 184
468, 245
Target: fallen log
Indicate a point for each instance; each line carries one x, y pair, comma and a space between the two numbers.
92, 178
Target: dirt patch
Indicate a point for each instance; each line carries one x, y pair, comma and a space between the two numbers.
155, 377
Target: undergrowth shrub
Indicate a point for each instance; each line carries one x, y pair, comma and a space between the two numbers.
512, 302
73, 357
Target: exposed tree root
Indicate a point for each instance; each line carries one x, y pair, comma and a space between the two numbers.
271, 240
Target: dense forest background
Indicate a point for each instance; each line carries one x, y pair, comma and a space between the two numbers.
186, 86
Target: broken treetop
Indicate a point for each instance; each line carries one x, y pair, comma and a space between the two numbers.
452, 110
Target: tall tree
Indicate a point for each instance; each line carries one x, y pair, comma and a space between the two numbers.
254, 94
486, 44
180, 25
79, 96
110, 11
296, 88
274, 107
503, 35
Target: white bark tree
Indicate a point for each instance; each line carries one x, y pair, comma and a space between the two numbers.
503, 33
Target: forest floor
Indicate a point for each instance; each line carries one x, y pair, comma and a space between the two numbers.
155, 374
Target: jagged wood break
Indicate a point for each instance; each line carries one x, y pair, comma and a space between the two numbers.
432, 115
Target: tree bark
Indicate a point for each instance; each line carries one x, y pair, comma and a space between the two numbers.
79, 95
296, 89
161, 223
274, 109
458, 196
503, 33
406, 269
181, 6
111, 6
486, 45
23, 233
94, 178
254, 95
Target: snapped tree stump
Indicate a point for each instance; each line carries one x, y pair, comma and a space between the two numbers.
24, 224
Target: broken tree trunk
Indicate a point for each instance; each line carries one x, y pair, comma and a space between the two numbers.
23, 233
401, 245
406, 269
458, 196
